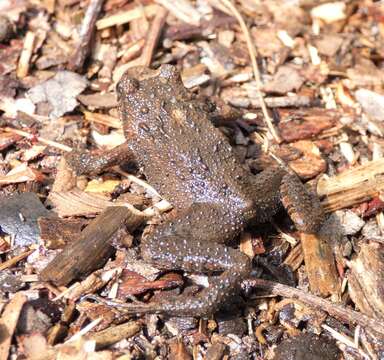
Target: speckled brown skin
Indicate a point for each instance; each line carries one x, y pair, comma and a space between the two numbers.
192, 165
93, 163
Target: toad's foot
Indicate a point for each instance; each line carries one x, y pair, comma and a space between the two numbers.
274, 187
191, 243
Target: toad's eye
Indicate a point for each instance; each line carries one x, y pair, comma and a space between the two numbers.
126, 86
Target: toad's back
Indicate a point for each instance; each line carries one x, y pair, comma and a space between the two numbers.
184, 156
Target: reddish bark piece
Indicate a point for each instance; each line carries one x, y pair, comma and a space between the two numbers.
373, 207
299, 125
134, 284
311, 163
55, 232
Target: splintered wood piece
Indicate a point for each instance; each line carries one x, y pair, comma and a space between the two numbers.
92, 248
320, 265
8, 322
295, 258
352, 186
80, 203
114, 334
366, 278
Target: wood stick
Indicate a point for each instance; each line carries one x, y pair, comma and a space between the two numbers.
256, 72
38, 138
6, 264
153, 36
338, 311
86, 33
93, 247
272, 102
114, 334
103, 119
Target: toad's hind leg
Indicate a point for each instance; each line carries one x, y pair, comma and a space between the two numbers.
275, 187
191, 243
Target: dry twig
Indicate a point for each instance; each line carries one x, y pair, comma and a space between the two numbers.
338, 311
256, 72
153, 36
33, 137
87, 30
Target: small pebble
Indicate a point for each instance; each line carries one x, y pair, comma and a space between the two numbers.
307, 347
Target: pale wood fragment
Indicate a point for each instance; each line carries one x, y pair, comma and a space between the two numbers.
352, 186
103, 119
8, 322
182, 10
114, 334
9, 263
65, 178
26, 54
127, 16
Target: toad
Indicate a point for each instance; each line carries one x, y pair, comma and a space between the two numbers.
192, 164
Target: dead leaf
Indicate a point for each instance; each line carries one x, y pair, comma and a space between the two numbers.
60, 92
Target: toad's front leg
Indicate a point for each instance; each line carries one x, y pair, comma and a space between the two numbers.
95, 162
191, 243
